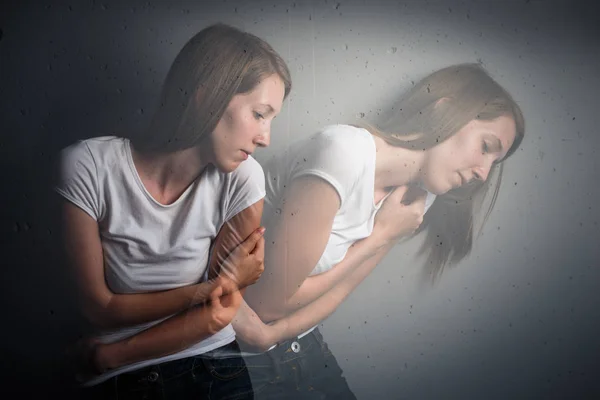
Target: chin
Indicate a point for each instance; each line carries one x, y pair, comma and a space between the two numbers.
439, 192
436, 188
228, 166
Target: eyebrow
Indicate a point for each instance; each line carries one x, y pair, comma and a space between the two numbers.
270, 108
498, 148
497, 145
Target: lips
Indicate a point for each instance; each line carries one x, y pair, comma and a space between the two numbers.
245, 154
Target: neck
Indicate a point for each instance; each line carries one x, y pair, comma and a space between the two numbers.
170, 170
396, 166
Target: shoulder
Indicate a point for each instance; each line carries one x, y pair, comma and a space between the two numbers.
344, 139
244, 187
338, 154
91, 150
342, 132
248, 176
345, 143
83, 167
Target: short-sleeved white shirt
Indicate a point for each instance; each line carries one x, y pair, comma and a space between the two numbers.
343, 156
148, 246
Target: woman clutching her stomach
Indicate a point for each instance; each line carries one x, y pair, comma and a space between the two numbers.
162, 231
339, 200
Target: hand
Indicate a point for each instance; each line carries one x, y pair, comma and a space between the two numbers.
245, 263
401, 213
223, 307
84, 356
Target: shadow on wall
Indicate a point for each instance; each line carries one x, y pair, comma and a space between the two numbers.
42, 314
56, 89
42, 317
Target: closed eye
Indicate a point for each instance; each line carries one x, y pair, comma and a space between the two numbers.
485, 148
258, 115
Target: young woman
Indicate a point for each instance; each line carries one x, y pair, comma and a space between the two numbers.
142, 218
337, 201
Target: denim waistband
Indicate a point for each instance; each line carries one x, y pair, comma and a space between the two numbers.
288, 348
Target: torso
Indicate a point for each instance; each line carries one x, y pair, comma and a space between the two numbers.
354, 174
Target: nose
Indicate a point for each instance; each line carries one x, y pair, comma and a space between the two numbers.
481, 173
264, 139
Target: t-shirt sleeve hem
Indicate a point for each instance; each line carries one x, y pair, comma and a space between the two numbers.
327, 178
245, 204
76, 202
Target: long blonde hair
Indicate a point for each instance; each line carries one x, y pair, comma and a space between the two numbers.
217, 63
420, 121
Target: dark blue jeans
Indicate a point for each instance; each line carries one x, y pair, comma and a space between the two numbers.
199, 377
298, 369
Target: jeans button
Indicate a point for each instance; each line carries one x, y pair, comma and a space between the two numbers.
153, 376
295, 347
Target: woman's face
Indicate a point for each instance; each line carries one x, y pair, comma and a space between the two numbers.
246, 123
467, 155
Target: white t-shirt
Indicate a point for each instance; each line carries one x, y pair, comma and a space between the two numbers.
148, 246
344, 156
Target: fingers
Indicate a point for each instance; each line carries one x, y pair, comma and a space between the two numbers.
398, 194
419, 203
235, 299
230, 300
250, 243
259, 249
259, 257
413, 193
215, 303
216, 292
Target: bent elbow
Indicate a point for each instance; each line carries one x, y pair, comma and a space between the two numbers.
101, 317
97, 319
272, 312
268, 309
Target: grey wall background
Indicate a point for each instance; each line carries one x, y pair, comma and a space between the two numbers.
518, 319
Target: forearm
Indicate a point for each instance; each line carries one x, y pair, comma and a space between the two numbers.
170, 336
315, 286
131, 309
249, 328
315, 312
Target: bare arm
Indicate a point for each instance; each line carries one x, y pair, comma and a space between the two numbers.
393, 221
324, 306
100, 306
260, 336
172, 335
315, 286
296, 242
181, 331
300, 237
